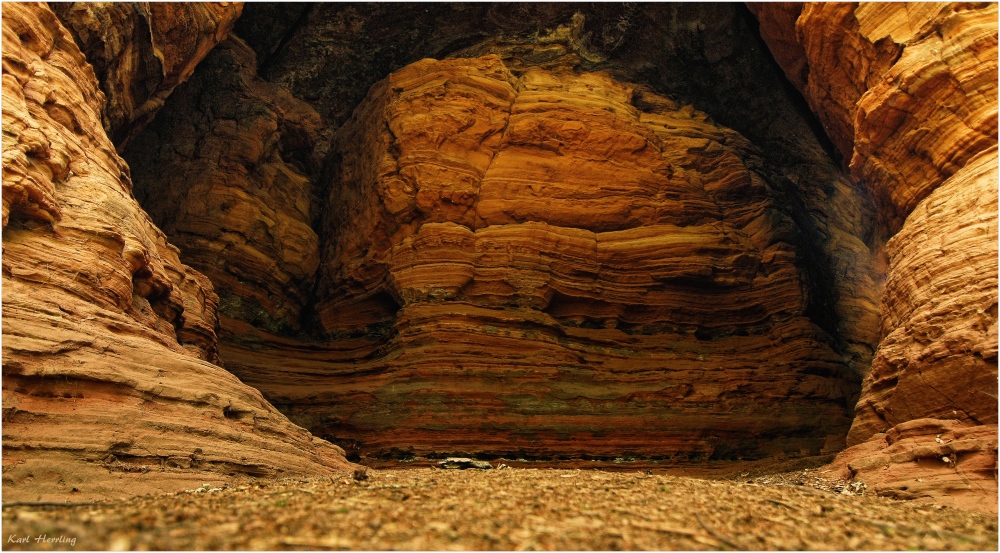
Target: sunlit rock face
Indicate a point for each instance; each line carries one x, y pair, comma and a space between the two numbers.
553, 264
110, 386
909, 94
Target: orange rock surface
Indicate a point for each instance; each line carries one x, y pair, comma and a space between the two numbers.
907, 91
141, 51
909, 94
227, 170
107, 337
506, 254
940, 461
534, 265
938, 354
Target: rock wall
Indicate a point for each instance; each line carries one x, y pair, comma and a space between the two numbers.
227, 170
514, 251
108, 338
552, 264
706, 55
906, 92
141, 51
909, 94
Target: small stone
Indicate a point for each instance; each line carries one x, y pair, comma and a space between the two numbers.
464, 463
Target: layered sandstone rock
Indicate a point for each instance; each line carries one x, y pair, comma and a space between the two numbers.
908, 92
141, 51
536, 265
938, 355
943, 461
107, 337
227, 170
934, 379
331, 55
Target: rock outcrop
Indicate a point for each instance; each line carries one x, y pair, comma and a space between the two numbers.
580, 231
552, 264
696, 53
108, 338
909, 94
141, 51
227, 170
191, 171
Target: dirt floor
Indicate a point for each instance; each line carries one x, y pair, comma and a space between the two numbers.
505, 509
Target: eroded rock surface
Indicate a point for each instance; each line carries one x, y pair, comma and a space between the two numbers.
535, 264
227, 170
141, 51
909, 94
943, 461
108, 338
513, 253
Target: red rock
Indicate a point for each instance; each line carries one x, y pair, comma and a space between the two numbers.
554, 272
909, 94
227, 170
944, 462
141, 51
518, 256
938, 355
106, 335
821, 49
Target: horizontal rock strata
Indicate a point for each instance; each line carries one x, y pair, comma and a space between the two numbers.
535, 265
107, 337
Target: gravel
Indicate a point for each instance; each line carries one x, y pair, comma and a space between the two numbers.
506, 509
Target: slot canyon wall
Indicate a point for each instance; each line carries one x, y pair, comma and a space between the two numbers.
110, 381
542, 230
519, 252
909, 96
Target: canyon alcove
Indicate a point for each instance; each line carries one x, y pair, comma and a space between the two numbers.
273, 240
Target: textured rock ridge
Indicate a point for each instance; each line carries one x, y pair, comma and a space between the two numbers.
937, 362
908, 92
535, 265
227, 170
107, 337
944, 461
141, 51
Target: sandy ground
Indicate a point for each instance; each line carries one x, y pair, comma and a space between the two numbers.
506, 509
